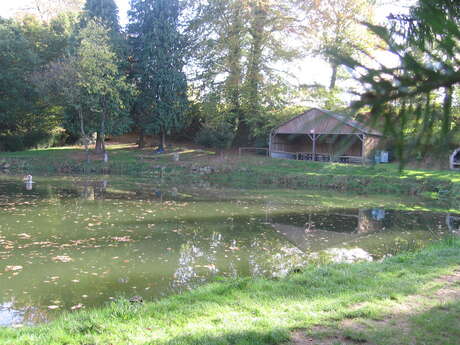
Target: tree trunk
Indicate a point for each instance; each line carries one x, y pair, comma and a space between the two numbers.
242, 135
99, 143
333, 77
163, 141
101, 135
141, 139
83, 134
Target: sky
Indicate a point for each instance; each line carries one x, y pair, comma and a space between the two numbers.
9, 7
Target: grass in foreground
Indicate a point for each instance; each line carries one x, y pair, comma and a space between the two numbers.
260, 311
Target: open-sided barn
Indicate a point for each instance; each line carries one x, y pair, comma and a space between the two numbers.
323, 135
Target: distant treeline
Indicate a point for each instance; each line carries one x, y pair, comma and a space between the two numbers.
223, 72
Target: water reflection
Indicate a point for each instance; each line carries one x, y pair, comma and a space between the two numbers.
453, 223
86, 243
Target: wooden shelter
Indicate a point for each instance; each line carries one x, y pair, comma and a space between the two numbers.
322, 135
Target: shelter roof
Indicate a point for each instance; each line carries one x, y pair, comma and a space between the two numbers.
319, 121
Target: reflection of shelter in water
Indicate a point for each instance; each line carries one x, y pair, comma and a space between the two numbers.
370, 220
327, 230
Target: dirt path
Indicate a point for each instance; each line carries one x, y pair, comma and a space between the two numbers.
396, 320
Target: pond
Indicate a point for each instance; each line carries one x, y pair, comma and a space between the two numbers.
67, 244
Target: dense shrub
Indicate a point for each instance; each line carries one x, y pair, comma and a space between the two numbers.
219, 137
11, 142
34, 139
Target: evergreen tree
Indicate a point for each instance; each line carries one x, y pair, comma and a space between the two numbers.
105, 10
158, 50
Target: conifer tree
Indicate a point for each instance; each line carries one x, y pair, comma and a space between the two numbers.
105, 10
158, 50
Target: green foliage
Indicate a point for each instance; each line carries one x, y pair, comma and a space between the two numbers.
106, 88
336, 25
220, 136
235, 45
158, 50
415, 99
25, 47
18, 59
105, 11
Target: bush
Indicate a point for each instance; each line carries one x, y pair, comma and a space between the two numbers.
11, 142
219, 137
35, 139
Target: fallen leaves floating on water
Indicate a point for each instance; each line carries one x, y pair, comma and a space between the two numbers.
13, 268
78, 306
24, 236
62, 258
122, 239
52, 307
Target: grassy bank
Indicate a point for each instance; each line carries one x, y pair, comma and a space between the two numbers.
247, 171
357, 303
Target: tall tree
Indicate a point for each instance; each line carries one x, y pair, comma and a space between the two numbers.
238, 44
18, 59
158, 53
61, 83
335, 25
106, 13
90, 86
27, 45
104, 10
103, 80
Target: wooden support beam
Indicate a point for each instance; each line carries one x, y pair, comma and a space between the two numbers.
313, 138
362, 137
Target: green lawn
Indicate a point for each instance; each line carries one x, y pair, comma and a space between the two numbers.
126, 159
322, 302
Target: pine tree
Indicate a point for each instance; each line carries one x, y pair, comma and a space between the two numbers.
105, 10
158, 50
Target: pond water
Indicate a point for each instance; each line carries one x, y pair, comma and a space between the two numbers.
66, 245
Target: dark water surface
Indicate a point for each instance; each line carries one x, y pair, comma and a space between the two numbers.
66, 245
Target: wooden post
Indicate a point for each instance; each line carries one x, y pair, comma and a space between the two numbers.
362, 137
313, 138
314, 147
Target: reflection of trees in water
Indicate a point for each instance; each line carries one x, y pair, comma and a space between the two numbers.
453, 223
273, 257
185, 273
92, 190
13, 313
